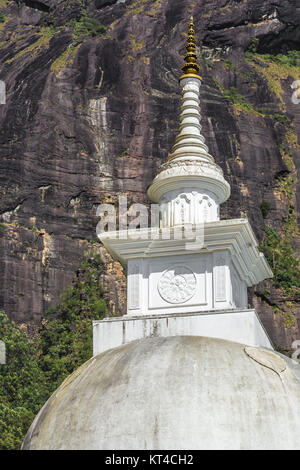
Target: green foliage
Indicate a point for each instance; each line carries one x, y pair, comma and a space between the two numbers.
217, 84
124, 154
86, 27
66, 334
266, 292
37, 365
283, 118
275, 68
280, 255
285, 186
23, 388
289, 320
265, 208
233, 94
291, 59
253, 45
228, 64
66, 58
2, 18
14, 422
239, 100
275, 309
83, 28
297, 295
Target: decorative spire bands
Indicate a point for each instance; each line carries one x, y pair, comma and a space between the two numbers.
191, 68
189, 170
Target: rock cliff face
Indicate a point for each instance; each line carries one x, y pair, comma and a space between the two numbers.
91, 111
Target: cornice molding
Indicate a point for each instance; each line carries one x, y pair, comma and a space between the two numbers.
234, 235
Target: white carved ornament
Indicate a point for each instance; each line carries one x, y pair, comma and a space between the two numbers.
177, 285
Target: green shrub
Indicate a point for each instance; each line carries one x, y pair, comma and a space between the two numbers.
253, 45
37, 365
14, 422
283, 118
265, 208
280, 255
239, 100
23, 387
291, 59
124, 154
228, 64
66, 334
86, 27
266, 292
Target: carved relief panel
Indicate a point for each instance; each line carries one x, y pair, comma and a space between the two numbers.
221, 280
134, 286
179, 284
239, 290
188, 206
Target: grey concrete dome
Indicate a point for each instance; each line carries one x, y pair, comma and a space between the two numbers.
183, 392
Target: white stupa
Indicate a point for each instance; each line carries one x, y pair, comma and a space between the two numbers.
195, 285
189, 366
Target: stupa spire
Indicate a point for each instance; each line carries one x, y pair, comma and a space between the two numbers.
189, 141
190, 67
190, 171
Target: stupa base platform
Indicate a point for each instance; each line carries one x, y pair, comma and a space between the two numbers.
242, 326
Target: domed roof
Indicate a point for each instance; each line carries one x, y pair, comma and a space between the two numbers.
184, 392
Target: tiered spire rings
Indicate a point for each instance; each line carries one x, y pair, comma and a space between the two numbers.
191, 68
189, 168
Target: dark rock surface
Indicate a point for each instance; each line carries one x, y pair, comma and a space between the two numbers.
90, 116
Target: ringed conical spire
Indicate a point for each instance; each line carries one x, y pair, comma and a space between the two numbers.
190, 67
190, 172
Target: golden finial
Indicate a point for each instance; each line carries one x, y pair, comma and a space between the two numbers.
191, 68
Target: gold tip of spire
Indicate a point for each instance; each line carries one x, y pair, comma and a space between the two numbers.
191, 68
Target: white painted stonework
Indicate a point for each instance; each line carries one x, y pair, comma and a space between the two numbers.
194, 263
241, 326
188, 206
197, 282
189, 186
218, 271
178, 392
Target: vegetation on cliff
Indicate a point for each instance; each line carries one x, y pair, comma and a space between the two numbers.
37, 364
280, 255
83, 28
275, 68
278, 245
